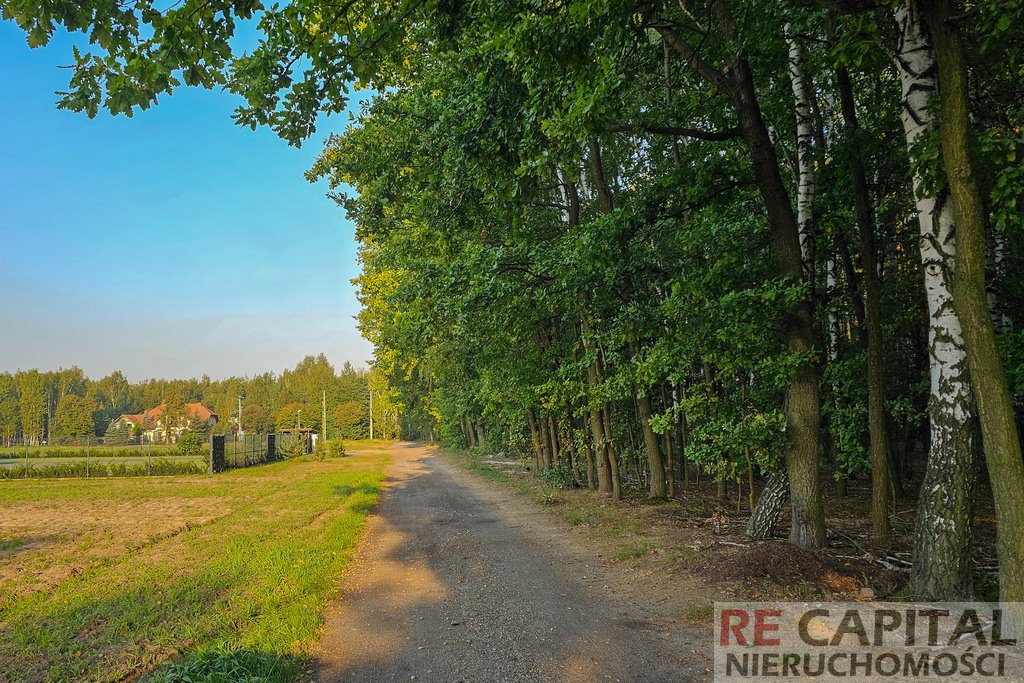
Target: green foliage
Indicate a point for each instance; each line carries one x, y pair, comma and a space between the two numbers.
256, 419
1012, 347
73, 419
560, 476
333, 448
351, 420
32, 404
83, 468
190, 443
112, 453
557, 213
292, 446
118, 434
90, 406
223, 664
10, 411
292, 415
845, 406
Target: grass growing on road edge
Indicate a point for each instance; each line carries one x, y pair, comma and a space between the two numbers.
236, 598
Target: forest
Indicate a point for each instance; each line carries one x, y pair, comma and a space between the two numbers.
67, 407
777, 243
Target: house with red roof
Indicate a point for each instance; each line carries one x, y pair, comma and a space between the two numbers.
152, 425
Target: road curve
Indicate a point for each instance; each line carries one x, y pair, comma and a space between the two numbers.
457, 581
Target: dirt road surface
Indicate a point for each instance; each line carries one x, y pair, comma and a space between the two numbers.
461, 579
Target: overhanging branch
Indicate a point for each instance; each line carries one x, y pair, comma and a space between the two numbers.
676, 131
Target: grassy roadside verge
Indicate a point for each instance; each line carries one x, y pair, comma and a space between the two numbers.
200, 578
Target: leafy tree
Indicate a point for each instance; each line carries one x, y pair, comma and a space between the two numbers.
292, 415
351, 420
10, 418
174, 415
32, 404
74, 418
256, 419
638, 239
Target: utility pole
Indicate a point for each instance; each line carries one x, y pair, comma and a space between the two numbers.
298, 419
371, 410
239, 414
323, 424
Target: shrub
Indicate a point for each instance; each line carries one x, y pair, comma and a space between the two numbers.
292, 447
333, 448
96, 470
560, 476
190, 443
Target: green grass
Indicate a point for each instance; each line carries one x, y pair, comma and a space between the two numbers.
96, 451
9, 543
632, 551
232, 590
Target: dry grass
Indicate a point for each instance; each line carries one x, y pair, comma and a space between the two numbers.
103, 580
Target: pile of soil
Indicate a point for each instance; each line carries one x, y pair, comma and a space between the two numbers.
788, 566
778, 562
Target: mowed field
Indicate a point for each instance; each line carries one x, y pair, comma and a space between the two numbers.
177, 578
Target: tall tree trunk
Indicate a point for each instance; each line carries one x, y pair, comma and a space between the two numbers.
802, 405
601, 446
613, 461
879, 436
588, 450
556, 449
670, 464
534, 439
991, 391
597, 433
570, 443
654, 458
942, 561
545, 443
769, 506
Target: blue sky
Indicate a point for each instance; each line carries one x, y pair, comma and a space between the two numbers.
170, 244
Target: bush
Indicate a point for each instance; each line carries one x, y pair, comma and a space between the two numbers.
190, 443
95, 470
292, 447
333, 448
112, 453
560, 476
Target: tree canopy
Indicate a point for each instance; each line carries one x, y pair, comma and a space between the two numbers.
641, 240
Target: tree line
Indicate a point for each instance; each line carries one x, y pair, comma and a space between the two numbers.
66, 406
775, 242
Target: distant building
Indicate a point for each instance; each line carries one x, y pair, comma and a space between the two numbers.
151, 422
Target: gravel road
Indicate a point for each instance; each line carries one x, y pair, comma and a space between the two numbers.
461, 579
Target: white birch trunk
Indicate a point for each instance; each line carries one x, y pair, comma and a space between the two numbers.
942, 568
805, 150
833, 323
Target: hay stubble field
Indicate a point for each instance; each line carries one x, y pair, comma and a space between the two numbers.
172, 577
